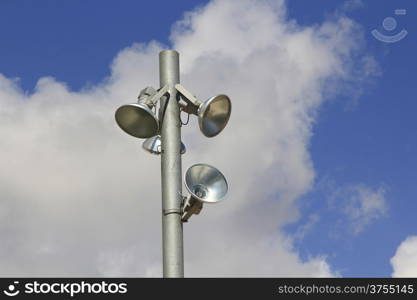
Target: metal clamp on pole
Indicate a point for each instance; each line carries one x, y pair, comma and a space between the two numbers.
171, 211
191, 207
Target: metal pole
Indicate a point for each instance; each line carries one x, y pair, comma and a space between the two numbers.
169, 114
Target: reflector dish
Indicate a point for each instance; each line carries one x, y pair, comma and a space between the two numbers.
137, 120
153, 145
213, 115
205, 183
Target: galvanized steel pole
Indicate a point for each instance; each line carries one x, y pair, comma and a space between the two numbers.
169, 115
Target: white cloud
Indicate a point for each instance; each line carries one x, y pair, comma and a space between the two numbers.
79, 197
404, 261
307, 227
365, 205
360, 204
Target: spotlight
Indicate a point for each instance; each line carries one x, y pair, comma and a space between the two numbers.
205, 184
137, 119
153, 145
213, 114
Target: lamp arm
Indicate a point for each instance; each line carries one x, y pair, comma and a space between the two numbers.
191, 207
150, 96
187, 96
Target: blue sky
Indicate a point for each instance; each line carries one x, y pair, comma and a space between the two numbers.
75, 41
373, 143
367, 139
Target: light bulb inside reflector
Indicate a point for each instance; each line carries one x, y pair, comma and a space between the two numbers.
205, 183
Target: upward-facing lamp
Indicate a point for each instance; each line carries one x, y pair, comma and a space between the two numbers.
154, 145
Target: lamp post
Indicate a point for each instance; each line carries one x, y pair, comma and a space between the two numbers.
204, 183
169, 115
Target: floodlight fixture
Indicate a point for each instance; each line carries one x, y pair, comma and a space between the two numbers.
206, 184
138, 119
213, 114
154, 145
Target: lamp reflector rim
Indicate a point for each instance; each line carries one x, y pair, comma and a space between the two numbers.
211, 128
154, 145
137, 119
220, 181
